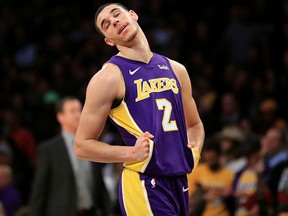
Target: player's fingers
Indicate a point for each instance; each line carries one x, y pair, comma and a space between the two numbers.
142, 139
191, 145
147, 134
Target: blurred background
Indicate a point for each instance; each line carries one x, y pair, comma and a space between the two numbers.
236, 53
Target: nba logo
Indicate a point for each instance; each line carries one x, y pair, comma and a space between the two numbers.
153, 183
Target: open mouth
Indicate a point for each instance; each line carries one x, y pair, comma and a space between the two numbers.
122, 27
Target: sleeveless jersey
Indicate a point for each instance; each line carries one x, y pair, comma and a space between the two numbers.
153, 103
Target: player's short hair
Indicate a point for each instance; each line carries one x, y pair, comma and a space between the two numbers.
99, 11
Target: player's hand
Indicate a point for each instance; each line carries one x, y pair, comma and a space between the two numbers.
191, 145
141, 148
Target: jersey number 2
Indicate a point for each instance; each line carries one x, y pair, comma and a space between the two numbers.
165, 105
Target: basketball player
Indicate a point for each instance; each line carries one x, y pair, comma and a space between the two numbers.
149, 99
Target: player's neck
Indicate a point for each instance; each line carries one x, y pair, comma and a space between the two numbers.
139, 50
143, 56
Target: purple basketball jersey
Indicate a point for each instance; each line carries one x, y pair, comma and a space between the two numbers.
153, 103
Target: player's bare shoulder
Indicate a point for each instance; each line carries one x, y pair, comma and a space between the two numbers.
180, 70
177, 67
108, 74
108, 78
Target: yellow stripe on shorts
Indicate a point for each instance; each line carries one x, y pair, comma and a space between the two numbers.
134, 194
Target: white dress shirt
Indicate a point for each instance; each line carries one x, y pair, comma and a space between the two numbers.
82, 172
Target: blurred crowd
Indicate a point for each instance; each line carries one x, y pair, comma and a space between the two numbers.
236, 53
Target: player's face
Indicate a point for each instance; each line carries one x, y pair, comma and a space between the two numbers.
118, 25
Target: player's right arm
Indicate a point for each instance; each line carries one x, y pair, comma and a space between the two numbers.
106, 86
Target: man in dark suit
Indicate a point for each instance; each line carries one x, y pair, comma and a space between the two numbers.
63, 184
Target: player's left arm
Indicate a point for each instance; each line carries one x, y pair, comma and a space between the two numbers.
195, 128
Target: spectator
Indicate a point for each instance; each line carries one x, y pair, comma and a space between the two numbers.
9, 194
248, 183
64, 185
21, 136
229, 110
272, 149
16, 142
231, 138
278, 184
267, 116
214, 179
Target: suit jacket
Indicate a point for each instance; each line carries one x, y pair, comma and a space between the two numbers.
54, 188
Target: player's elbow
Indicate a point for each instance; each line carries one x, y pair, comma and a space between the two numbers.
79, 148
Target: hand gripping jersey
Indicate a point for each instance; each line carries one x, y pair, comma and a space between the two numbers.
153, 103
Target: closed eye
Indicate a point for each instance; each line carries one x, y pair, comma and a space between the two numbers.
106, 25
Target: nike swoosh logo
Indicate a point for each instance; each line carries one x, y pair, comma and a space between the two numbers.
185, 189
134, 71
